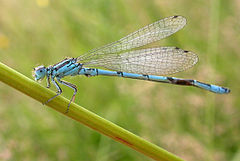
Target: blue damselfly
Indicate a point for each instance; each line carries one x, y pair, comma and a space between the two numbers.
123, 60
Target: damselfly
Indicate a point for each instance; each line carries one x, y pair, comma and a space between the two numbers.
123, 61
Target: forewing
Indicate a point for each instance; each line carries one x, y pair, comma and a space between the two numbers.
154, 61
148, 34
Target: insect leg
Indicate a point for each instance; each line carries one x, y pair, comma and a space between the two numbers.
48, 82
74, 87
58, 92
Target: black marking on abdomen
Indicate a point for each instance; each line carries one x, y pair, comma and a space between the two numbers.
170, 79
226, 90
187, 82
120, 73
90, 70
87, 75
145, 75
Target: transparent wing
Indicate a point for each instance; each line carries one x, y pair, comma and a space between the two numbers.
148, 34
154, 61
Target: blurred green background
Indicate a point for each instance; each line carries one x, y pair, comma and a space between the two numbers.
189, 122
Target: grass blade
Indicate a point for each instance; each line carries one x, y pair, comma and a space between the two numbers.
82, 115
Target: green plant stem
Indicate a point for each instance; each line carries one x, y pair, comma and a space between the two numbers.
80, 114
